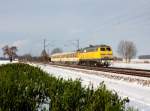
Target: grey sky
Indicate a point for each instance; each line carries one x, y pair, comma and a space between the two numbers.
62, 22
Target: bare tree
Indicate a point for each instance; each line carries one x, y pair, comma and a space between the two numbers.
10, 52
127, 50
56, 50
26, 57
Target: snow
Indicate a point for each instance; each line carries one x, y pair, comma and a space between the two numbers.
6, 62
132, 65
140, 60
138, 95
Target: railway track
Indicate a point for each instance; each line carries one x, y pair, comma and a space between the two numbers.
124, 71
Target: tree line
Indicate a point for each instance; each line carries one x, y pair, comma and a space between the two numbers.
126, 49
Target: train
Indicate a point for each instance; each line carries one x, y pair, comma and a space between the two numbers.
94, 55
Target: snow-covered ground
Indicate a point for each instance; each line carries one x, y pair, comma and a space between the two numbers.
139, 95
132, 65
6, 62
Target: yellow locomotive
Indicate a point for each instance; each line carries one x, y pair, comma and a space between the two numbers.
98, 55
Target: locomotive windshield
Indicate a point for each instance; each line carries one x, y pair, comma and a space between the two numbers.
102, 49
108, 49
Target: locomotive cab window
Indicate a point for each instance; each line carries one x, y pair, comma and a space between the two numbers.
108, 49
102, 49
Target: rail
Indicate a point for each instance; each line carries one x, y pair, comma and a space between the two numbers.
125, 71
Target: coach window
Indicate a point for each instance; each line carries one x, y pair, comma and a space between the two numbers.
68, 56
74, 55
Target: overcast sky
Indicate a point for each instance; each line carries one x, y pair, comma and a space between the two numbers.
25, 23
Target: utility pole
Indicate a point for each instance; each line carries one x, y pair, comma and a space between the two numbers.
44, 53
45, 45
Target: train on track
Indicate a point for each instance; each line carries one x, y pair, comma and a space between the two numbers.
98, 55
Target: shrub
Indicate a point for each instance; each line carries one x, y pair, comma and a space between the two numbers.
24, 88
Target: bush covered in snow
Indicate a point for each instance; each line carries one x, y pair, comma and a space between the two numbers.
25, 88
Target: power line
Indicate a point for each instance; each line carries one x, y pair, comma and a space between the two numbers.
74, 42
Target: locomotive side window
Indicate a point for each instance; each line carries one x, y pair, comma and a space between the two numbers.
102, 49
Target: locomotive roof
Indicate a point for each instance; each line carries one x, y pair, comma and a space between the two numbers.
95, 46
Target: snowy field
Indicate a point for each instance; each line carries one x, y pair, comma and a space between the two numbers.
139, 95
132, 65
